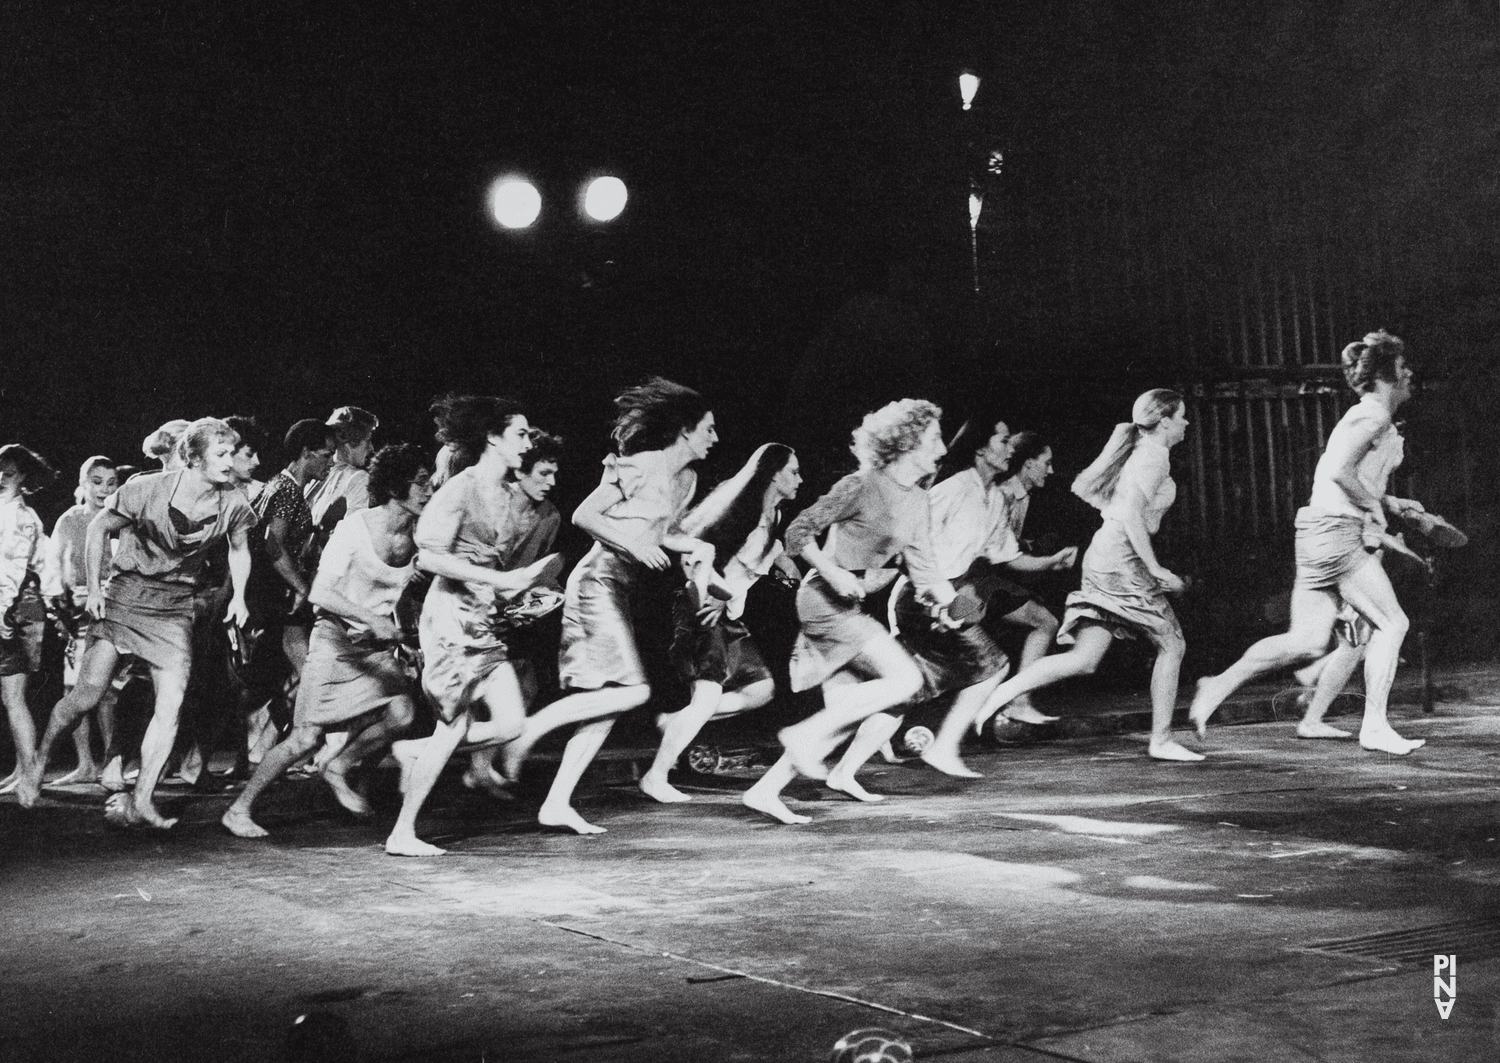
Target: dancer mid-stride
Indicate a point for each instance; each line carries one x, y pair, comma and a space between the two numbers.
712, 649
871, 516
1338, 535
1124, 590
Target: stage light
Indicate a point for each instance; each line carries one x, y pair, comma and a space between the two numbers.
968, 85
604, 199
514, 203
976, 204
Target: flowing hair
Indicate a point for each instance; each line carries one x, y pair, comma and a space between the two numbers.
731, 511
1096, 484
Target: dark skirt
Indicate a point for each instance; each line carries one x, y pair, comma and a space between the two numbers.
725, 653
949, 658
344, 679
150, 618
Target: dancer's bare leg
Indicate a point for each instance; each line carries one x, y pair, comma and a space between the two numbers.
22, 727
419, 778
87, 769
156, 746
95, 672
1090, 644
710, 701
1333, 674
364, 742
1164, 676
1313, 613
557, 810
765, 795
1039, 640
845, 705
874, 732
578, 707
297, 746
502, 695
943, 751
1369, 590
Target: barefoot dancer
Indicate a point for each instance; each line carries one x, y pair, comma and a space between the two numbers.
1336, 551
466, 538
23, 554
1124, 591
353, 680
537, 523
661, 429
167, 522
712, 649
871, 515
97, 480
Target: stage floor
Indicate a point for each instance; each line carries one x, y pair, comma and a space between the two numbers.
1081, 902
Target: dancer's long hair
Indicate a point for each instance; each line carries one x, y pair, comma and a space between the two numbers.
652, 415
1096, 484
732, 510
465, 423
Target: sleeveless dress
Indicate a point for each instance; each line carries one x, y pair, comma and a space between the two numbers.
1117, 591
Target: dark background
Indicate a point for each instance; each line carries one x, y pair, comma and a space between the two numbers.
278, 208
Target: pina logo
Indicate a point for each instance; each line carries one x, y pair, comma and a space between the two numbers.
1441, 988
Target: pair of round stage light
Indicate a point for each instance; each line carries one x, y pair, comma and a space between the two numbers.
515, 202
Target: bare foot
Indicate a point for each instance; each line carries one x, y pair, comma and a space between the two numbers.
8, 783
565, 816
482, 778
888, 754
1319, 729
1206, 699
1386, 740
406, 754
771, 805
29, 785
1170, 750
512, 757
848, 784
353, 801
79, 776
148, 815
1027, 714
113, 776
805, 757
410, 845
241, 825
659, 789
982, 719
948, 762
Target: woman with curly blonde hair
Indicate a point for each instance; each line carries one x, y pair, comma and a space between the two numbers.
870, 516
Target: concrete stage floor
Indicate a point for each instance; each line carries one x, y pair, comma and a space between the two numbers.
1079, 903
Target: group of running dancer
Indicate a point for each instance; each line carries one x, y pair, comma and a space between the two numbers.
151, 568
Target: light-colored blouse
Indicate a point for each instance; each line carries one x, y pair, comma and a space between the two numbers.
1147, 472
877, 518
651, 499
161, 542
351, 568
1374, 470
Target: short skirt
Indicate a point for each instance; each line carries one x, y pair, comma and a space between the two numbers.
949, 658
150, 618
834, 632
1117, 592
1329, 546
598, 636
344, 679
21, 654
725, 653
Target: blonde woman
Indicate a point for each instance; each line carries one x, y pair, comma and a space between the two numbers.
870, 516
1124, 589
